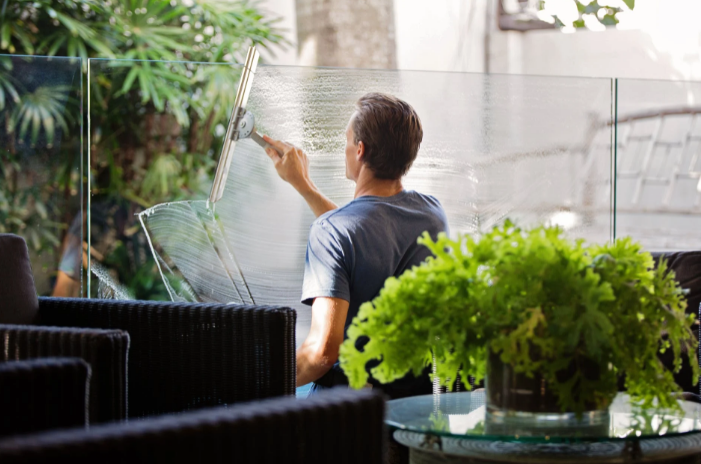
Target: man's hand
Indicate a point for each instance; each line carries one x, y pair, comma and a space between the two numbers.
293, 167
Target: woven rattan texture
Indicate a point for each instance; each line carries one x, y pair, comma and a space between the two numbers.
187, 356
43, 394
340, 426
105, 351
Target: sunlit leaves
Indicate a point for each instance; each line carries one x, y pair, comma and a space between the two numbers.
602, 12
74, 26
219, 85
542, 302
149, 30
41, 109
162, 177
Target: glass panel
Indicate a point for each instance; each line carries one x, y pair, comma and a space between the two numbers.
658, 179
40, 166
495, 146
463, 415
155, 134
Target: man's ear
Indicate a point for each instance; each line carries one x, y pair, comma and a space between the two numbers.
360, 154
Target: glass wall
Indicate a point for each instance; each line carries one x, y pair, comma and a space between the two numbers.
41, 167
155, 134
602, 158
533, 149
658, 175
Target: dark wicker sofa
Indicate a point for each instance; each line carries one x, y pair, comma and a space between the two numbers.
340, 426
186, 356
148, 358
43, 394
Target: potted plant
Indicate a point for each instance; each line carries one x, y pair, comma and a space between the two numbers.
533, 311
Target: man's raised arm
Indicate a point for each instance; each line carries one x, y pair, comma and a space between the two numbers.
293, 168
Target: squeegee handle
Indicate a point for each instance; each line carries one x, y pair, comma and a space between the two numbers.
260, 141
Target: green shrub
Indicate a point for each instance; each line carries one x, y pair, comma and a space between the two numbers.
543, 302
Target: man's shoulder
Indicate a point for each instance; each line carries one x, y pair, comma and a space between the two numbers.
428, 204
350, 215
430, 199
349, 209
338, 219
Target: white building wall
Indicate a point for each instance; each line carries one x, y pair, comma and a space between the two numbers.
609, 53
448, 36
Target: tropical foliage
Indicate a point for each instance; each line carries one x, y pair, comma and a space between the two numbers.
35, 114
155, 127
540, 301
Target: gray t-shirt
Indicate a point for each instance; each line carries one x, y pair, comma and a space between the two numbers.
352, 250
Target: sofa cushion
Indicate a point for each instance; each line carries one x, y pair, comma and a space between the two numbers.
18, 298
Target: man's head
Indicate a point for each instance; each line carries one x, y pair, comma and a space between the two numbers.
383, 135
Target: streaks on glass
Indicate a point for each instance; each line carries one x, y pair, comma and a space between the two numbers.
192, 235
249, 248
107, 286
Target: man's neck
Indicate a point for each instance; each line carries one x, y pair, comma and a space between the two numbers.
367, 184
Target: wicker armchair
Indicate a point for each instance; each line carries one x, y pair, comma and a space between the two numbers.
104, 350
340, 426
43, 394
185, 356
180, 356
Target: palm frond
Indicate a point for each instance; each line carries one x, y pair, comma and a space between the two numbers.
7, 85
76, 28
42, 109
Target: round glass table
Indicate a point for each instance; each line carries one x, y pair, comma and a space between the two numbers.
454, 428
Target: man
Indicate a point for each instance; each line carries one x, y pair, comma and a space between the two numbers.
73, 255
353, 249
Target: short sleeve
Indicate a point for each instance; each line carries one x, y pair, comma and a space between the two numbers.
325, 271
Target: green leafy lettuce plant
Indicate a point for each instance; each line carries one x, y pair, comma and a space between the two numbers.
544, 303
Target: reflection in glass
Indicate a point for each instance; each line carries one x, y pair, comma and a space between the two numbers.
658, 188
40, 166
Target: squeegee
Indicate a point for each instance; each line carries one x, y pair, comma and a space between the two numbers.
242, 124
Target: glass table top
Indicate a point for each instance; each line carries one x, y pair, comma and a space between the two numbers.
463, 415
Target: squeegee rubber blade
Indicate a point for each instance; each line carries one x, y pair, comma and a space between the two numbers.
242, 94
